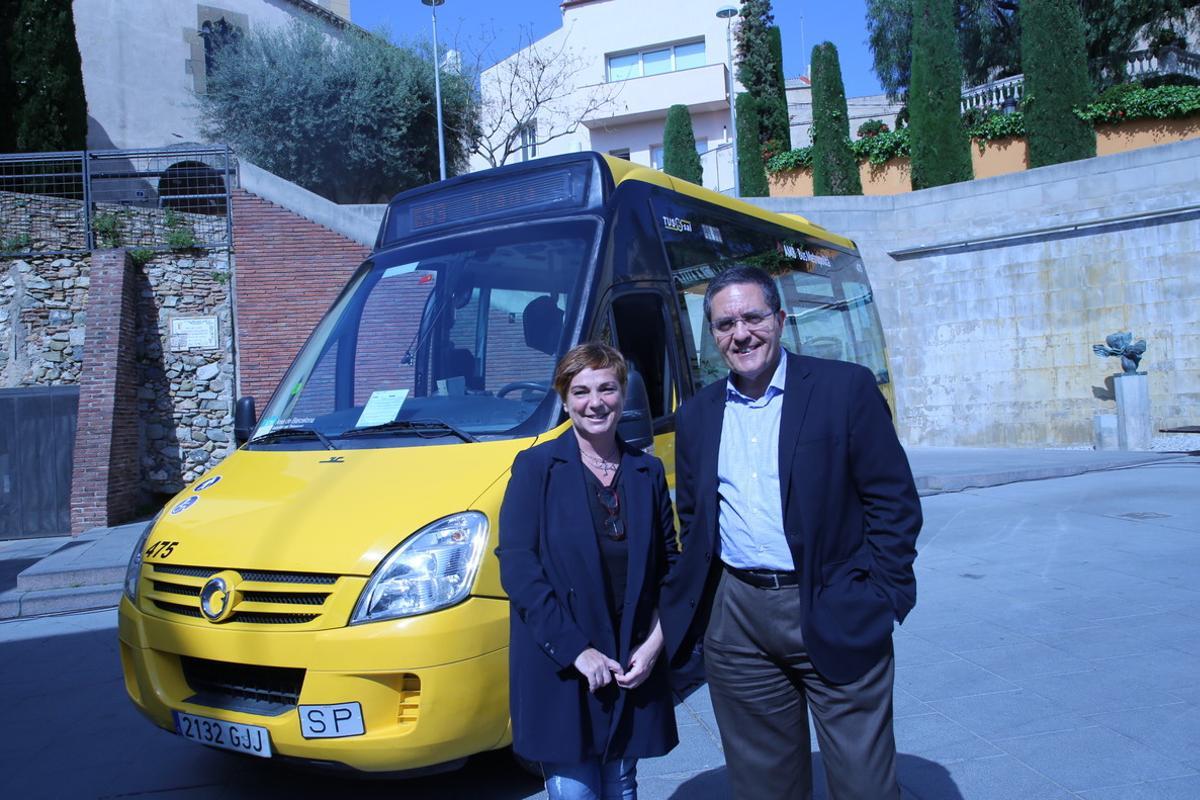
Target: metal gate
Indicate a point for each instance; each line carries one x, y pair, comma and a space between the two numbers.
37, 443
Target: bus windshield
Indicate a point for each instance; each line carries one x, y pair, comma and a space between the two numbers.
453, 338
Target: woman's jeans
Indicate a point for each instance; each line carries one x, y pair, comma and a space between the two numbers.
592, 780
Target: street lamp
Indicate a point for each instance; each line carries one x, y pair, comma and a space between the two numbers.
437, 87
727, 13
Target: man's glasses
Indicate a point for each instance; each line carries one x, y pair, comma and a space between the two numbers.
614, 526
753, 320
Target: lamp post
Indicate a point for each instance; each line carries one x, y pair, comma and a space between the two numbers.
727, 13
437, 87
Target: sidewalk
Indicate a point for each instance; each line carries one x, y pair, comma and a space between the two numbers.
86, 572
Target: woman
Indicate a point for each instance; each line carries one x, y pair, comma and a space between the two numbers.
586, 536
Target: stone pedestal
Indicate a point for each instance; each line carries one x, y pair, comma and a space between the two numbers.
1104, 432
1133, 411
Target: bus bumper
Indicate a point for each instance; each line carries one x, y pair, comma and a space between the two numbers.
432, 689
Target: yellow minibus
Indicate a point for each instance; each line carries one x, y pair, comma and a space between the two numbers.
329, 593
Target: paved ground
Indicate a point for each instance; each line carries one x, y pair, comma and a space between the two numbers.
1053, 654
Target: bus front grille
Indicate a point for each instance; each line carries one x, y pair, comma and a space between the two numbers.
264, 597
249, 688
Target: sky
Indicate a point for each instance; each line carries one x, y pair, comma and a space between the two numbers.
802, 22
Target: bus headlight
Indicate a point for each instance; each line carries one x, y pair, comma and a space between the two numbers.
134, 570
432, 569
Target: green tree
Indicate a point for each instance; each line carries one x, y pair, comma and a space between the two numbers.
45, 77
353, 121
1056, 81
752, 175
8, 91
940, 148
680, 158
989, 35
835, 169
760, 70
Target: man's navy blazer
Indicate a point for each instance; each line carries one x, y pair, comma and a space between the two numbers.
550, 568
850, 511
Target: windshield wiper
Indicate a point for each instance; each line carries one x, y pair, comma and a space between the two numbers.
294, 433
420, 427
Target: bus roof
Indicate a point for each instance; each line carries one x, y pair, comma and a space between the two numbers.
623, 170
549, 185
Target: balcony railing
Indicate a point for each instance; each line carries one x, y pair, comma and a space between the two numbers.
994, 94
1138, 65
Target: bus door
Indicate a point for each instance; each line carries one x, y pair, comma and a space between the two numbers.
639, 321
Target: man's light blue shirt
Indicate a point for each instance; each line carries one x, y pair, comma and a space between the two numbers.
749, 502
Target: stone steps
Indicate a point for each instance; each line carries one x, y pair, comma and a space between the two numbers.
86, 573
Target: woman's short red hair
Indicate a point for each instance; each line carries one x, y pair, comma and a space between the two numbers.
590, 355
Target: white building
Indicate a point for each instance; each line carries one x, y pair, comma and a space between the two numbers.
625, 63
144, 61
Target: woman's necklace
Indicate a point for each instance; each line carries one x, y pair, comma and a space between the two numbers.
601, 463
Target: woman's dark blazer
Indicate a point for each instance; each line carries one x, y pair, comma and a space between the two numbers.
550, 568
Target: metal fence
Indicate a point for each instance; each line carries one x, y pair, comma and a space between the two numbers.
164, 199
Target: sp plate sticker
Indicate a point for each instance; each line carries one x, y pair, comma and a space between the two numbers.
185, 505
207, 483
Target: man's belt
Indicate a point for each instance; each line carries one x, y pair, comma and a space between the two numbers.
764, 578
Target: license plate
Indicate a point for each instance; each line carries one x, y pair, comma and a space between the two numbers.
331, 721
251, 739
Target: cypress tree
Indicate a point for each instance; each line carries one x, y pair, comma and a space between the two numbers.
835, 169
752, 175
776, 127
1054, 57
680, 158
50, 111
8, 96
941, 151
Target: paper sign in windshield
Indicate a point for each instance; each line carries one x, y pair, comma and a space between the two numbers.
402, 269
383, 407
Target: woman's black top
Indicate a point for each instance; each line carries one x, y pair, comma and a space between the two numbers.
607, 504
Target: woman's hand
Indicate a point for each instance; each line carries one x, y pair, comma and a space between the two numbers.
597, 668
643, 658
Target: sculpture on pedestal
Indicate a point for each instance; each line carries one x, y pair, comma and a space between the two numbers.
1122, 344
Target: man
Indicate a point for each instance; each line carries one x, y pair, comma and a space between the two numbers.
798, 520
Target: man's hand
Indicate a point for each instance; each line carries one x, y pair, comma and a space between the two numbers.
643, 658
598, 668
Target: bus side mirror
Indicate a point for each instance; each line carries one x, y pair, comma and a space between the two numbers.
636, 426
243, 420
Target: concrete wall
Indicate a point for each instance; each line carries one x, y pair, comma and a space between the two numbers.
990, 323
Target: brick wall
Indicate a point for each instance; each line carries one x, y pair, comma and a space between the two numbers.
105, 484
288, 271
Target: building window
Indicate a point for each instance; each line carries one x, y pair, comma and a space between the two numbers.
656, 152
657, 61
529, 140
217, 34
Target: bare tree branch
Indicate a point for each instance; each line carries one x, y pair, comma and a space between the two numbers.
535, 91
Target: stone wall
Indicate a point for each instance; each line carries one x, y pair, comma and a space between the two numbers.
992, 293
43, 311
184, 395
32, 223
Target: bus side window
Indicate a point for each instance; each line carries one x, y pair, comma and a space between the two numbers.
642, 333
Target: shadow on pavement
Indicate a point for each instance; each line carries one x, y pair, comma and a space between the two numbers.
77, 734
921, 778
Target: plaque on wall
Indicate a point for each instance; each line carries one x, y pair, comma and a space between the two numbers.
194, 333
